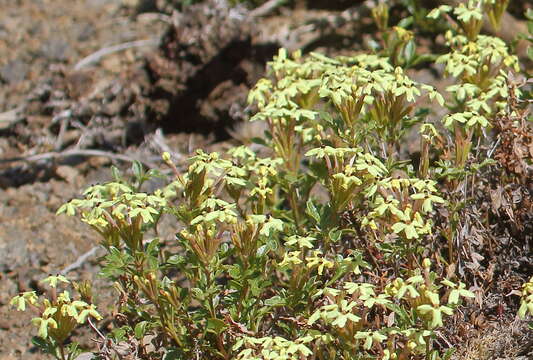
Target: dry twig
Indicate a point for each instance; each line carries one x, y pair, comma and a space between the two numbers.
10, 117
75, 152
266, 8
96, 56
79, 261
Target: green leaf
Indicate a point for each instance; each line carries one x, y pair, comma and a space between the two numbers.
312, 211
522, 311
43, 325
88, 311
433, 297
368, 342
152, 247
67, 208
410, 232
313, 318
259, 141
45, 345
402, 313
117, 176
271, 226
216, 326
140, 329
340, 321
416, 279
425, 308
398, 227
453, 298
119, 334
275, 301
436, 319
436, 13
467, 293
418, 196
335, 234
53, 280
405, 22
137, 169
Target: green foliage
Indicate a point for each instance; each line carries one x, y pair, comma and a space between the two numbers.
59, 314
526, 302
529, 36
325, 248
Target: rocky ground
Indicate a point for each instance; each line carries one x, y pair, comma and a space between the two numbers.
129, 79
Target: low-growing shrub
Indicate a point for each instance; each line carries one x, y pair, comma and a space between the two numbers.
329, 242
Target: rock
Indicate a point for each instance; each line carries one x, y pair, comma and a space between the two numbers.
14, 71
85, 356
67, 173
56, 49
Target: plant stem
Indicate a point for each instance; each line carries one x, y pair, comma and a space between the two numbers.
294, 206
62, 351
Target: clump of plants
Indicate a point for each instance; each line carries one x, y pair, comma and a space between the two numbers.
58, 315
330, 243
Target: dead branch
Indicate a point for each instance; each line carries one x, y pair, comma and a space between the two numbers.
75, 152
10, 117
266, 8
96, 56
157, 141
79, 261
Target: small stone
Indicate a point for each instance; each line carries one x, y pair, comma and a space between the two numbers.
56, 49
14, 71
99, 162
68, 173
85, 356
